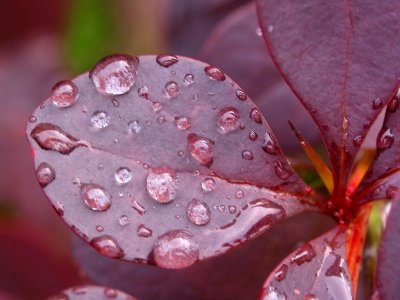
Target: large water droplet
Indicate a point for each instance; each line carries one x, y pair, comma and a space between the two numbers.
143, 231
189, 79
95, 196
162, 184
134, 127
123, 175
45, 174
304, 254
171, 89
201, 149
100, 119
107, 246
214, 73
198, 212
182, 123
208, 184
385, 139
52, 137
228, 119
256, 115
270, 145
247, 155
64, 94
166, 60
272, 293
280, 274
281, 170
175, 250
115, 74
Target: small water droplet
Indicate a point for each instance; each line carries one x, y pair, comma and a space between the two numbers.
123, 175
253, 135
208, 184
157, 106
143, 231
272, 293
143, 92
358, 140
281, 170
393, 105
221, 208
201, 149
269, 144
107, 246
115, 102
52, 137
45, 174
181, 154
239, 194
32, 119
64, 94
166, 60
228, 119
100, 119
123, 220
377, 103
391, 191
96, 197
280, 274
385, 139
214, 73
310, 297
175, 250
247, 154
256, 115
198, 212
99, 228
171, 89
110, 293
258, 31
134, 127
241, 94
161, 120
189, 79
182, 123
115, 74
232, 209
162, 184
270, 28
138, 207
304, 254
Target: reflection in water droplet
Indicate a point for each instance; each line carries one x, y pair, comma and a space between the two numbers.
256, 115
304, 254
123, 220
214, 73
162, 184
280, 274
385, 139
64, 94
270, 145
52, 137
182, 123
241, 94
115, 74
239, 194
247, 154
228, 119
253, 135
96, 197
166, 60
100, 119
134, 127
310, 297
123, 175
143, 231
110, 293
198, 212
143, 92
175, 250
281, 170
161, 120
189, 79
99, 228
45, 174
32, 119
107, 246
208, 184
232, 209
272, 293
171, 89
201, 149
358, 140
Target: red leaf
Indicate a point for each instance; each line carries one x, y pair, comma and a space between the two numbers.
318, 270
341, 59
84, 292
387, 281
118, 160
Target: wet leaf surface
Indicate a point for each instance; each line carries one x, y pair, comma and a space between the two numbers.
138, 183
91, 292
317, 270
342, 62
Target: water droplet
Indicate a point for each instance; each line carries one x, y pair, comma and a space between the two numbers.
182, 123
161, 120
239, 194
391, 192
201, 149
253, 135
95, 196
198, 212
166, 60
270, 145
115, 102
52, 137
247, 154
134, 127
180, 154
208, 184
304, 254
358, 140
214, 73
272, 293
123, 175
99, 228
310, 297
64, 94
162, 184
228, 119
241, 94
377, 103
175, 250
143, 231
232, 209
110, 293
143, 92
393, 105
280, 274
32, 119
157, 106
100, 119
171, 89
281, 170
270, 28
189, 79
45, 174
256, 115
138, 207
123, 220
385, 139
107, 246
115, 74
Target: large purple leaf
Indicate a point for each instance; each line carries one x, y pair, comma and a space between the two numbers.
160, 160
341, 58
237, 47
387, 282
317, 270
88, 292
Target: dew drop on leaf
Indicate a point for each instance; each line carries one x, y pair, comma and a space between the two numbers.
143, 92
241, 94
198, 212
123, 220
358, 140
273, 294
280, 274
214, 73
107, 246
100, 119
201, 149
189, 79
143, 231
208, 184
166, 60
247, 155
385, 139
253, 135
304, 254
96, 197
182, 123
115, 74
377, 103
239, 194
45, 174
393, 105
171, 89
281, 171
110, 293
162, 184
228, 119
175, 250
134, 127
269, 144
256, 115
64, 94
123, 175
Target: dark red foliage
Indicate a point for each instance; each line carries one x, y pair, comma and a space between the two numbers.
85, 292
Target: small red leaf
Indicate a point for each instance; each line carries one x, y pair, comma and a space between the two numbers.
85, 292
161, 177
